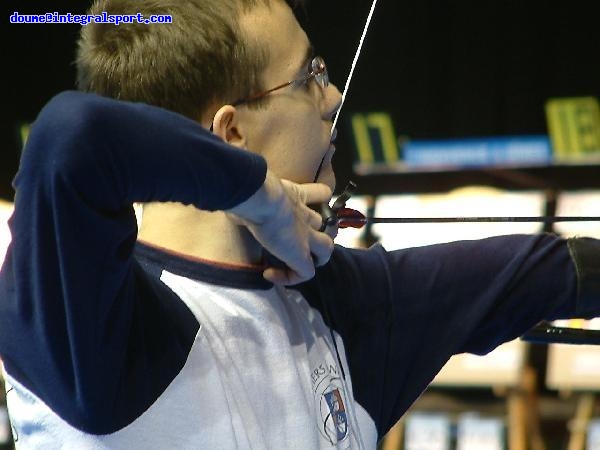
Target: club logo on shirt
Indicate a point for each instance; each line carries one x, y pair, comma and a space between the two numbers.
335, 421
331, 403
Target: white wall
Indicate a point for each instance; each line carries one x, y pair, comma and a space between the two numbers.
5, 212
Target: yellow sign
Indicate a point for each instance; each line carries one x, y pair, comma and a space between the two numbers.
375, 138
574, 126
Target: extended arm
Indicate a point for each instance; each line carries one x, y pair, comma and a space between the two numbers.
402, 314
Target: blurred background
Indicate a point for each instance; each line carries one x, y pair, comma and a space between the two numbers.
439, 69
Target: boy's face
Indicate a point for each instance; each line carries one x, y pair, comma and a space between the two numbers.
293, 130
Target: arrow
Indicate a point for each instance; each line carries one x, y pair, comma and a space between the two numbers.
350, 218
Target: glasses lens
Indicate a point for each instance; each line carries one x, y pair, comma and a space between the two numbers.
320, 70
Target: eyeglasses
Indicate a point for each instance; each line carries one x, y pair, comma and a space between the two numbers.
318, 71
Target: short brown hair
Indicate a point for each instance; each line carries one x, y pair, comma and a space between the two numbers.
184, 66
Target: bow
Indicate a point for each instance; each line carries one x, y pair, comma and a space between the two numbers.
338, 214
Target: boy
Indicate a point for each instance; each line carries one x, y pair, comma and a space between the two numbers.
178, 341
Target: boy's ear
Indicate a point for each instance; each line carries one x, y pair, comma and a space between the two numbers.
226, 125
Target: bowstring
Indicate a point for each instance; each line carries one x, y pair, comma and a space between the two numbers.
349, 79
354, 62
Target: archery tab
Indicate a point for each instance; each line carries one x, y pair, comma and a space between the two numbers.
340, 202
327, 215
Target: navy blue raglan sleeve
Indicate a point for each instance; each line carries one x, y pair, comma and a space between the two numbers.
75, 307
403, 313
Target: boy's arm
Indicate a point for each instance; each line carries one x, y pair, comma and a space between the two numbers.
402, 314
74, 305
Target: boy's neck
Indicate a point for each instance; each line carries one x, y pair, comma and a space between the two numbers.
208, 235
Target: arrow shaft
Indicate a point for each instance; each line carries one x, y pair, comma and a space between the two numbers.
542, 219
